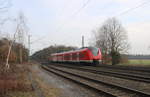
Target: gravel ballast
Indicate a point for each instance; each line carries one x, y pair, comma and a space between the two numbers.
67, 88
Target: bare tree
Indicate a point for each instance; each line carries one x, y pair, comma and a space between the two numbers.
19, 37
111, 37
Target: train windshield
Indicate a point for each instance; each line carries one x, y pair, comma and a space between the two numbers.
94, 50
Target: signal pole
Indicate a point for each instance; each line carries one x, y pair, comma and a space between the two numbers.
82, 41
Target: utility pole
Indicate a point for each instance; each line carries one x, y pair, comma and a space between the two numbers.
82, 41
21, 39
29, 44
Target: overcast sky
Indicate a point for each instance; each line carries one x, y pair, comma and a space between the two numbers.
63, 22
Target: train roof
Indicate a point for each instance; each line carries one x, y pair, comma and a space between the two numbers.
71, 51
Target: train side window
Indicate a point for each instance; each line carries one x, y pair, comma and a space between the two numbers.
82, 54
94, 50
74, 56
67, 57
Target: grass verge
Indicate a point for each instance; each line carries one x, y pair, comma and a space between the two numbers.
137, 62
47, 89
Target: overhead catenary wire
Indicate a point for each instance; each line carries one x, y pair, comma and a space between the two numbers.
82, 7
121, 13
126, 11
39, 39
74, 14
133, 8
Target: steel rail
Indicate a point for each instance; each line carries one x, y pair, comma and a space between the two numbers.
79, 82
141, 93
134, 68
126, 75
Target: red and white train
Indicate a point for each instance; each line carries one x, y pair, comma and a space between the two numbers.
83, 55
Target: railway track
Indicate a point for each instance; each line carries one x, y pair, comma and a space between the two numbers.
136, 76
131, 68
106, 88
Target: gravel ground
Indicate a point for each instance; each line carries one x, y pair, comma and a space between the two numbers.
67, 88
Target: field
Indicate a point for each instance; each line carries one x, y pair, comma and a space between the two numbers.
138, 62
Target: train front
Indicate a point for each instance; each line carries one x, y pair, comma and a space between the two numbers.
96, 55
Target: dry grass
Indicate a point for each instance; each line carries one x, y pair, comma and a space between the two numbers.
15, 83
22, 94
48, 91
14, 80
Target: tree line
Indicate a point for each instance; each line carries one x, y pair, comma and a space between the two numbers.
14, 54
44, 54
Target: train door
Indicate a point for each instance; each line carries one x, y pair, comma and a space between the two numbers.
78, 58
